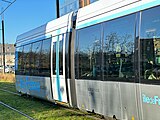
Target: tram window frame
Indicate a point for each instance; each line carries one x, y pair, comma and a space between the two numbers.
23, 70
121, 57
67, 55
26, 59
78, 56
88, 52
35, 58
61, 57
45, 66
19, 51
54, 59
149, 48
60, 52
16, 60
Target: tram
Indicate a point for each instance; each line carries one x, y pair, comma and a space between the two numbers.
103, 58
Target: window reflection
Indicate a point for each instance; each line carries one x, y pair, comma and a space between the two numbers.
150, 44
90, 53
26, 59
54, 59
117, 58
20, 60
58, 48
35, 58
119, 47
61, 57
45, 58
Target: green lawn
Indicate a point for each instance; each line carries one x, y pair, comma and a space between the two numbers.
38, 109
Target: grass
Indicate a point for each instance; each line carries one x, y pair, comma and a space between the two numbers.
7, 114
36, 108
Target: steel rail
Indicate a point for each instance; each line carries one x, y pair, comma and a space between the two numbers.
10, 92
16, 110
64, 106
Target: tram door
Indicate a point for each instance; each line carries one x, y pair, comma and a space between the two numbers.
58, 69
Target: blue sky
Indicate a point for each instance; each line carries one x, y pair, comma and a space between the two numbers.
25, 15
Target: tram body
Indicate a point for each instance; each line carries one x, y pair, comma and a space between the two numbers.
104, 58
35, 75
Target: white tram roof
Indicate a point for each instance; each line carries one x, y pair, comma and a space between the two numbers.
52, 28
104, 10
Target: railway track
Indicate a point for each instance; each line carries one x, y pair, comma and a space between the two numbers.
49, 103
8, 106
10, 92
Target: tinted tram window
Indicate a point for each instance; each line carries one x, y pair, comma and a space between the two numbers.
54, 59
76, 57
119, 48
58, 57
61, 57
35, 58
89, 53
16, 60
26, 59
19, 52
150, 44
45, 68
67, 56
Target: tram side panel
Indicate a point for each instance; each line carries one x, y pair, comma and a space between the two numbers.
107, 98
89, 95
34, 86
111, 99
119, 99
82, 94
129, 100
150, 101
